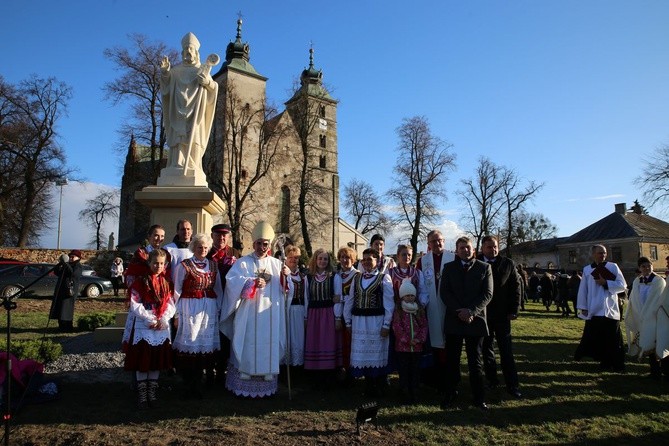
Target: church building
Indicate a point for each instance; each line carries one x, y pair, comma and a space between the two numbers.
275, 165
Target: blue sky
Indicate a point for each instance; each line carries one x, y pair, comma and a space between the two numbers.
572, 93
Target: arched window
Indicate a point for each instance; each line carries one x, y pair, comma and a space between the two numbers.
322, 162
322, 140
321, 111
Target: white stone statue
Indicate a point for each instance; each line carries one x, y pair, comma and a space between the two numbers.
189, 102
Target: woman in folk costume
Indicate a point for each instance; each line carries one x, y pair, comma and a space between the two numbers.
398, 274
647, 319
343, 279
253, 317
146, 339
197, 292
368, 312
410, 329
297, 299
322, 348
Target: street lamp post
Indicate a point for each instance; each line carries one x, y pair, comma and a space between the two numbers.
62, 182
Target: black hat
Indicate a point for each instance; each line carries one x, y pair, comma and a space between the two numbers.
643, 260
222, 228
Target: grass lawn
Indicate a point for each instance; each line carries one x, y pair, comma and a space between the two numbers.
565, 403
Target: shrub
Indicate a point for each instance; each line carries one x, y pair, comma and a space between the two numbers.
92, 321
40, 350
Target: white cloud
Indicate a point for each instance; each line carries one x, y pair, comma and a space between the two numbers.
75, 233
607, 197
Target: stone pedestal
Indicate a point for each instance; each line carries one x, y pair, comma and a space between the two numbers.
169, 204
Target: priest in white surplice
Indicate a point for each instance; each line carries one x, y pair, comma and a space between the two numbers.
253, 318
598, 305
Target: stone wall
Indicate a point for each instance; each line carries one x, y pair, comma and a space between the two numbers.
100, 261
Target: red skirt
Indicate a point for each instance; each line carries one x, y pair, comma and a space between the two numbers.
143, 357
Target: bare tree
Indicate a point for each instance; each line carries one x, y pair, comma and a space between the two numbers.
30, 157
483, 194
531, 226
365, 207
422, 165
245, 140
139, 85
104, 204
515, 196
654, 178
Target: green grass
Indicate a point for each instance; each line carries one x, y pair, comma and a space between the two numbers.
565, 403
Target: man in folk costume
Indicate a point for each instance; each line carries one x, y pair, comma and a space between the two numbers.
597, 303
432, 264
254, 318
222, 253
139, 263
368, 313
385, 262
647, 320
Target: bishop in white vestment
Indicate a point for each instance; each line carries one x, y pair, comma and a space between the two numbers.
253, 317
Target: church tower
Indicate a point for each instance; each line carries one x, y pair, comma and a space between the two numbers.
314, 118
275, 166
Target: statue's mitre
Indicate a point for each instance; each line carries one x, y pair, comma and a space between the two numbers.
190, 39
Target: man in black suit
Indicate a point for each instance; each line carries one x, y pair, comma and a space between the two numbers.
502, 309
466, 288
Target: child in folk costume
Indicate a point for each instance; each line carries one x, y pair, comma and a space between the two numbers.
398, 274
146, 339
343, 279
198, 293
368, 312
322, 349
647, 320
297, 300
410, 328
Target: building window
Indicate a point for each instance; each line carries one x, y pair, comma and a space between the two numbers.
284, 223
653, 252
572, 257
322, 141
321, 111
616, 254
244, 174
322, 162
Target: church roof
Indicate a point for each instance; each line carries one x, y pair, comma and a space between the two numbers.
237, 56
311, 82
622, 225
537, 246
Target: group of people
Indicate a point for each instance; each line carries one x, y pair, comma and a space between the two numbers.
196, 305
560, 289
